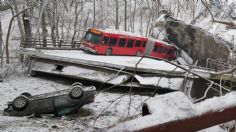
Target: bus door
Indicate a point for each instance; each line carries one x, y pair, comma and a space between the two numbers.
104, 44
121, 49
149, 46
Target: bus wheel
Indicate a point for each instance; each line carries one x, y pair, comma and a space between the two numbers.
108, 52
138, 53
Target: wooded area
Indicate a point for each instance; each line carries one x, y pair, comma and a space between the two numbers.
68, 20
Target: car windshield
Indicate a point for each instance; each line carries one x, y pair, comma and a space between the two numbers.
93, 38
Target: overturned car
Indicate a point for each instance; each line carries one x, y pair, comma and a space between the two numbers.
59, 103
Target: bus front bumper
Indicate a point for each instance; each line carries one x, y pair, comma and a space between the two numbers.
88, 49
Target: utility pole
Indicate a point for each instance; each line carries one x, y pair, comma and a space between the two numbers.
125, 15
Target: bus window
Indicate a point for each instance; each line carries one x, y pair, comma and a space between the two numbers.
130, 43
138, 43
144, 44
93, 38
122, 42
163, 50
112, 41
105, 40
169, 51
166, 50
155, 49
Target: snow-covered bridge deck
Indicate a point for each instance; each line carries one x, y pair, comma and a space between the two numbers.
128, 62
106, 69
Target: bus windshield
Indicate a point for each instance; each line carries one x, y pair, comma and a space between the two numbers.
93, 38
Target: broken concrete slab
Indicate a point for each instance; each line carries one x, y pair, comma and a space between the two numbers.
196, 42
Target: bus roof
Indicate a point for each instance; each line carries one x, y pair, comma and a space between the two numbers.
114, 31
122, 32
166, 43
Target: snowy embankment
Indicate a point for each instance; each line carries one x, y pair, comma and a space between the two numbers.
108, 108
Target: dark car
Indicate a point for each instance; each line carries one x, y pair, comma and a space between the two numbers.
59, 103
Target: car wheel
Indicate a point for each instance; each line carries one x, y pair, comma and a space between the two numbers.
20, 102
76, 92
76, 84
26, 94
108, 52
138, 53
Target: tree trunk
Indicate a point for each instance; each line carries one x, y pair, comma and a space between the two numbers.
80, 22
125, 15
149, 19
18, 18
1, 45
94, 12
75, 25
141, 22
117, 15
44, 29
53, 23
27, 27
134, 15
86, 21
57, 24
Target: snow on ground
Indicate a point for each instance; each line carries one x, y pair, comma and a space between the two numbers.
108, 108
176, 106
164, 108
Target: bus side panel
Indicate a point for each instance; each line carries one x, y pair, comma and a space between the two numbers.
159, 54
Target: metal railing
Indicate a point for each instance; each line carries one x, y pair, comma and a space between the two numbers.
49, 43
217, 65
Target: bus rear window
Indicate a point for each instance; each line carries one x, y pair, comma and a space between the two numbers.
163, 50
93, 38
112, 41
155, 49
144, 44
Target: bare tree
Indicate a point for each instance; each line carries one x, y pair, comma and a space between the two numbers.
134, 12
8, 32
53, 23
141, 21
27, 27
86, 20
149, 19
117, 14
13, 2
125, 15
1, 45
44, 29
94, 12
76, 21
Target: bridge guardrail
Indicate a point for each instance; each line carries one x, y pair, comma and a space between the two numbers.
49, 43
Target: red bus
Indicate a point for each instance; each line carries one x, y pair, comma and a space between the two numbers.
109, 42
